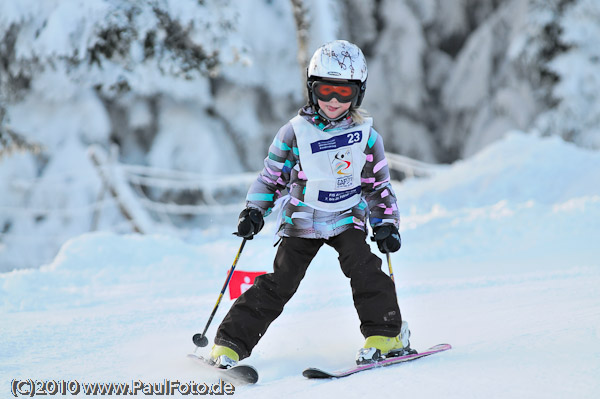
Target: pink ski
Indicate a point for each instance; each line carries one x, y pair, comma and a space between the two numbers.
318, 373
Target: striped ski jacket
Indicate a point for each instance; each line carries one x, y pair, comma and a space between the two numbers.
281, 186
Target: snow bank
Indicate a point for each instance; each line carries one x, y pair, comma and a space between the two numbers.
519, 168
535, 197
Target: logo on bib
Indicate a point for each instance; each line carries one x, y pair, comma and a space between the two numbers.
341, 166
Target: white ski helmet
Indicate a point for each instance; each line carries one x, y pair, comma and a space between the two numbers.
339, 59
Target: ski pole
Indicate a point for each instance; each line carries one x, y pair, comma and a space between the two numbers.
200, 339
387, 254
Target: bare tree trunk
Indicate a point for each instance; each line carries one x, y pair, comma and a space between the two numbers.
112, 189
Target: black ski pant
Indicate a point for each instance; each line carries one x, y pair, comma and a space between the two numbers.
373, 291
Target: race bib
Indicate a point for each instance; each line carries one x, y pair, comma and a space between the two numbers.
333, 163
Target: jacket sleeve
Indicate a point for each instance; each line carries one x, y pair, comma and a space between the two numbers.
376, 187
275, 176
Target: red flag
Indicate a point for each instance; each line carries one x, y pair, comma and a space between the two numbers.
241, 281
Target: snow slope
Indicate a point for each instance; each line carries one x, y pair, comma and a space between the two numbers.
499, 258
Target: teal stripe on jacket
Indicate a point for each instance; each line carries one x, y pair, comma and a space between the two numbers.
348, 220
281, 145
372, 138
260, 197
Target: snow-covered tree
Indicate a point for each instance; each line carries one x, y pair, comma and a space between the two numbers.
67, 67
575, 111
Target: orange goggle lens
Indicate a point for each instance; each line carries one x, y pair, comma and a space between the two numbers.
343, 92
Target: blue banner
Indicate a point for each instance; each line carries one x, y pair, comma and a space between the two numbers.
337, 196
337, 142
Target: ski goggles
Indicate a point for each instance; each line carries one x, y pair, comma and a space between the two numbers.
343, 92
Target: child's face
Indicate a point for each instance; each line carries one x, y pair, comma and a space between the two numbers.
333, 108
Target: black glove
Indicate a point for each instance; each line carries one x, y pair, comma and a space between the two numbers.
249, 223
387, 237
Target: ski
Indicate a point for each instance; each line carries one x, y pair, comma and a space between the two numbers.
318, 373
241, 374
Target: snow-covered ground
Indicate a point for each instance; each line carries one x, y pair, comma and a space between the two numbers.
500, 258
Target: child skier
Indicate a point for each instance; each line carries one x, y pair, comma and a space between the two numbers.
332, 162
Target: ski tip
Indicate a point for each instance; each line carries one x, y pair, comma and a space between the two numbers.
436, 348
249, 374
241, 374
312, 372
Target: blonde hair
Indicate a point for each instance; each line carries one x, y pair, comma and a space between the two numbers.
358, 115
